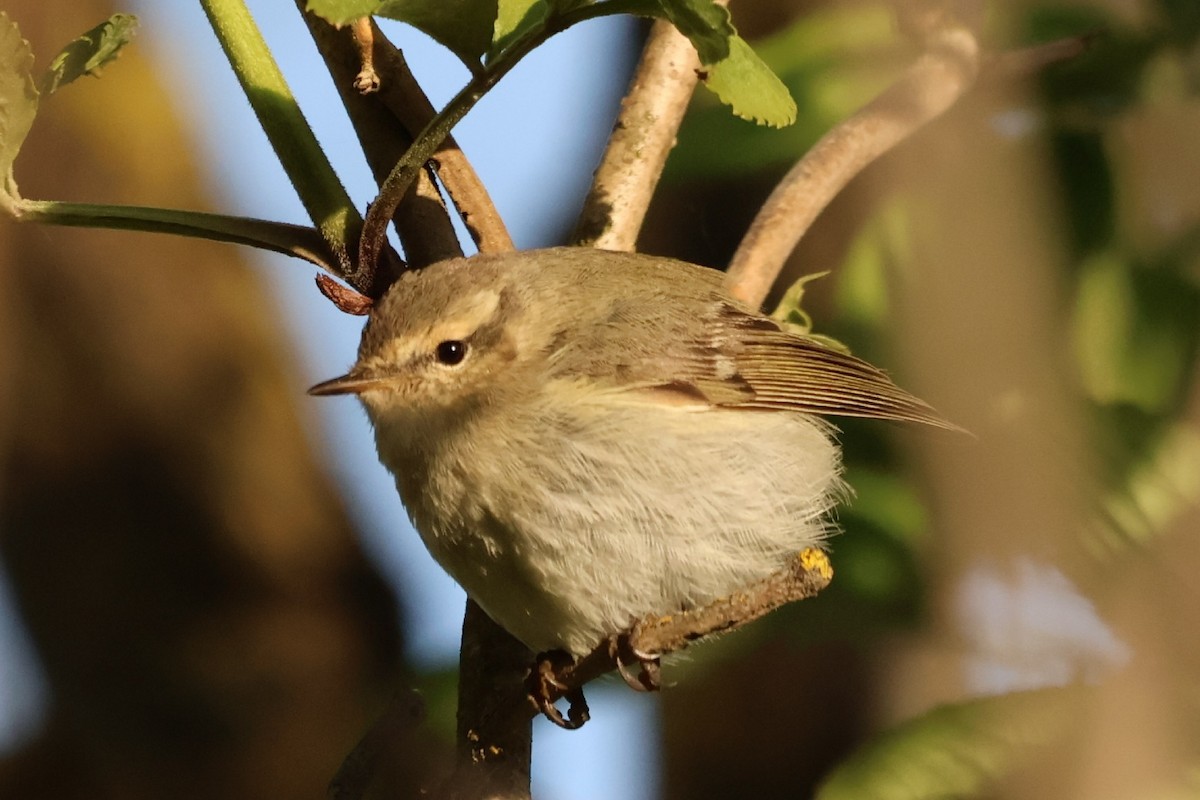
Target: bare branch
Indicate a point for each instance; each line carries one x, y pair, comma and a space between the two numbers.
809, 573
494, 747
930, 86
1029, 60
642, 138
386, 118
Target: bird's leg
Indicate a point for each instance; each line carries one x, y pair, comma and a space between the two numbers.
543, 685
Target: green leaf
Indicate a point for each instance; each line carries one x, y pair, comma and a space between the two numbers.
790, 310
88, 53
705, 23
747, 85
341, 12
564, 6
955, 750
18, 100
733, 71
513, 18
462, 26
830, 62
1135, 332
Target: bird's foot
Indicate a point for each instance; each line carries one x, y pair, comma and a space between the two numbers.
623, 653
544, 686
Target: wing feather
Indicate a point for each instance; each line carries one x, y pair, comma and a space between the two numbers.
748, 361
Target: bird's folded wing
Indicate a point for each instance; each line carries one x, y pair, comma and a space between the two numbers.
748, 361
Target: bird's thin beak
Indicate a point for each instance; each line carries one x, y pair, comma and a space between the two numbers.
347, 384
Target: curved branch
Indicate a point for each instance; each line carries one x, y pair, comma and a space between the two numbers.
422, 220
431, 137
403, 96
929, 87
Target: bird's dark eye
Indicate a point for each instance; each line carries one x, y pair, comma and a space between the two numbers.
451, 352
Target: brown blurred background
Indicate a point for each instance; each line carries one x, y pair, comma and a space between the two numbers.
189, 578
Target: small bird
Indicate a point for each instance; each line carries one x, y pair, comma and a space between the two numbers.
583, 438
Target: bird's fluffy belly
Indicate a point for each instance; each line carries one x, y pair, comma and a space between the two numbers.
587, 518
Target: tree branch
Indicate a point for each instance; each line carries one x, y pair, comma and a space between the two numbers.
642, 138
399, 721
494, 747
930, 86
431, 137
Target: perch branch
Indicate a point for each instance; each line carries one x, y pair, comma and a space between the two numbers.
494, 749
642, 138
807, 575
929, 87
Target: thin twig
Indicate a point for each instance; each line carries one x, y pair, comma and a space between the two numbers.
422, 220
930, 86
1029, 60
642, 138
403, 96
432, 136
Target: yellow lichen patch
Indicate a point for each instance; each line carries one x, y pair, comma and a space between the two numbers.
814, 560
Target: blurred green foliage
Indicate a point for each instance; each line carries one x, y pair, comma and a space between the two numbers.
952, 751
1130, 305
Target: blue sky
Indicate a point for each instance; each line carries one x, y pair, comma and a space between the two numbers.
534, 141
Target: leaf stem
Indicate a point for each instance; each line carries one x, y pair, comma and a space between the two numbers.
293, 240
324, 198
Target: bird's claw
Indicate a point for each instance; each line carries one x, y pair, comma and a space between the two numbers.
649, 674
543, 685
